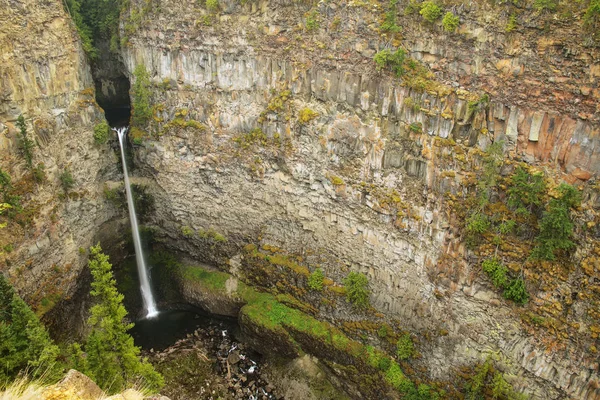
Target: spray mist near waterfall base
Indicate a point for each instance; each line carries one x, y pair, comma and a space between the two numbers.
148, 298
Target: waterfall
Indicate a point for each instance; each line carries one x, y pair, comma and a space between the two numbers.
145, 288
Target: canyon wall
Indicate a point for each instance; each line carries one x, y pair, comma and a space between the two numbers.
46, 78
267, 132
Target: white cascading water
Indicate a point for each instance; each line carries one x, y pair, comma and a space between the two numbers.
145, 288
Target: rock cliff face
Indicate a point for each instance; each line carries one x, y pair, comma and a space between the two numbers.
351, 168
45, 77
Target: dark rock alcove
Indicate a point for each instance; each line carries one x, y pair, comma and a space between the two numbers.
112, 85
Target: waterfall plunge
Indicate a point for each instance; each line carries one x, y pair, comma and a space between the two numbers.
145, 288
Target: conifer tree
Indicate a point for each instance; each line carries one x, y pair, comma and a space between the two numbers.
25, 344
112, 358
25, 144
556, 227
141, 111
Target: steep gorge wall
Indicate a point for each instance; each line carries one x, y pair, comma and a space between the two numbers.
45, 77
358, 187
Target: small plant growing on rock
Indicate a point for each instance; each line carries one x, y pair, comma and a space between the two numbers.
516, 291
25, 144
101, 133
212, 5
389, 20
39, 173
315, 280
187, 231
450, 22
511, 25
430, 11
66, 180
312, 20
306, 115
405, 348
357, 289
393, 60
141, 111
496, 272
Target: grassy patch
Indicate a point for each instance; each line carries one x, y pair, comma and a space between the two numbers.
214, 280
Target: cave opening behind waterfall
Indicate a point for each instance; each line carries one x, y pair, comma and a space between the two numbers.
113, 97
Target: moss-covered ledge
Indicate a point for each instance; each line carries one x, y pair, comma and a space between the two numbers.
277, 325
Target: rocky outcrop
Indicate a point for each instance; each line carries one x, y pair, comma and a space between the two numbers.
358, 183
46, 78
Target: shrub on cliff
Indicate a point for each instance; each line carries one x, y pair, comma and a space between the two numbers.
430, 11
393, 60
556, 227
405, 348
112, 359
25, 144
66, 180
357, 290
101, 132
212, 5
315, 280
141, 111
25, 345
450, 22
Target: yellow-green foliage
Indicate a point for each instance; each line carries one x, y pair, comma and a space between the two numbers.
306, 115
336, 180
430, 11
450, 22
212, 5
101, 132
187, 231
179, 122
212, 235
255, 136
281, 260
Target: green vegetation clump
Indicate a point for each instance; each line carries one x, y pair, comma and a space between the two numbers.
545, 5
212, 5
511, 25
516, 291
450, 22
112, 360
497, 272
526, 191
187, 231
312, 20
39, 174
556, 227
592, 15
26, 346
430, 11
101, 133
66, 180
389, 20
12, 202
393, 60
25, 144
315, 280
141, 110
486, 379
213, 280
95, 20
306, 115
357, 289
405, 348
